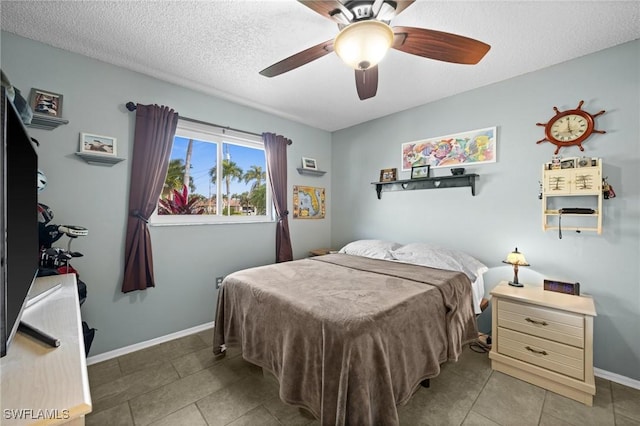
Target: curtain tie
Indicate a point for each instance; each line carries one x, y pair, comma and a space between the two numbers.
136, 214
284, 214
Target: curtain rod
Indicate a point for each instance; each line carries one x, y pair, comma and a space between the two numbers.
132, 107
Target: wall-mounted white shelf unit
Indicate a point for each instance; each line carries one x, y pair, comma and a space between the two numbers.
46, 122
310, 172
99, 160
566, 188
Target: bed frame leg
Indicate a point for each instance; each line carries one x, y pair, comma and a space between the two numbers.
425, 383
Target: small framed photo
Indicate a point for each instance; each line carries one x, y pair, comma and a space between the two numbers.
419, 172
388, 175
586, 162
569, 163
46, 103
96, 144
309, 163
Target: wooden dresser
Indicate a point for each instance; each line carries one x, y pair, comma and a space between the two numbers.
544, 338
40, 384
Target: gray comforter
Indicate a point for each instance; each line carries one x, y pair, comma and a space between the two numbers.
349, 338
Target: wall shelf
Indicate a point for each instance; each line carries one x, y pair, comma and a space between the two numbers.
567, 187
310, 172
428, 183
46, 122
99, 160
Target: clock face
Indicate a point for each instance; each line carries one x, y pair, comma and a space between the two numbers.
569, 127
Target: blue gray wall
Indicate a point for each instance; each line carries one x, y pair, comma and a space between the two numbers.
506, 211
187, 258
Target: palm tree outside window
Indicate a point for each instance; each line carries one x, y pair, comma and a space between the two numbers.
214, 177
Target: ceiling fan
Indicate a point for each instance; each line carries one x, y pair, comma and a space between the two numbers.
365, 36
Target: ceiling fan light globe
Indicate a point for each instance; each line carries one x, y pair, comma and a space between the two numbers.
363, 44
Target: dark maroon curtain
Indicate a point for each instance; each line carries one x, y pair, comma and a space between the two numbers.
155, 129
275, 147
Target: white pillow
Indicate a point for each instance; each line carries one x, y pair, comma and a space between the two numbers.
441, 258
375, 249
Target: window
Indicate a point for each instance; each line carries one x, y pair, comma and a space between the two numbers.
222, 173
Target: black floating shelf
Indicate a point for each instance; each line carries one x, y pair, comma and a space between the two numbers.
428, 183
310, 172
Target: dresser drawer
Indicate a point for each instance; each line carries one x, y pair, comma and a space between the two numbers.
563, 359
547, 323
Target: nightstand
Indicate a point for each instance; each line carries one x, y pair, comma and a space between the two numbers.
544, 338
320, 252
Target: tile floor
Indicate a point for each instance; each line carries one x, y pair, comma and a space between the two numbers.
179, 383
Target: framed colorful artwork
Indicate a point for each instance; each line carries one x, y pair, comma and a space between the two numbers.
308, 202
472, 147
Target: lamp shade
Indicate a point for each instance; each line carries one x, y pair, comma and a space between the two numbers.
516, 258
363, 44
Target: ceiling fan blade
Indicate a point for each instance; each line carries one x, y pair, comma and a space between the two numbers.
299, 59
330, 9
367, 82
439, 45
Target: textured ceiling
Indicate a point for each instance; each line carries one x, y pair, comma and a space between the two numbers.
218, 47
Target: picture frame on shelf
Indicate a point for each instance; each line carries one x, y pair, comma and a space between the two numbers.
98, 145
568, 163
44, 102
309, 163
586, 162
420, 172
388, 175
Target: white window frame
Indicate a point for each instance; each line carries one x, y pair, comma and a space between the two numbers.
220, 136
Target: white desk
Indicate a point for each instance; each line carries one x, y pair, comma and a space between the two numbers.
44, 385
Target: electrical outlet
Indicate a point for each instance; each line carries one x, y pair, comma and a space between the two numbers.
219, 281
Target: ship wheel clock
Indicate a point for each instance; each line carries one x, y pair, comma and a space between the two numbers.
570, 127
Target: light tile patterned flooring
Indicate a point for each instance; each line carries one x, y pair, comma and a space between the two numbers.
179, 383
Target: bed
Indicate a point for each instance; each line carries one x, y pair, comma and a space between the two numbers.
349, 336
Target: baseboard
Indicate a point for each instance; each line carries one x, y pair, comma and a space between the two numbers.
623, 380
142, 345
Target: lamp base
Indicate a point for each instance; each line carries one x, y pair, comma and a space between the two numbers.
511, 283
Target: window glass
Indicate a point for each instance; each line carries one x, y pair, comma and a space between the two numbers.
214, 177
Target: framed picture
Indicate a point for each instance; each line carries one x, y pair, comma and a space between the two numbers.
308, 202
475, 146
586, 162
96, 144
388, 175
419, 172
46, 103
309, 163
569, 163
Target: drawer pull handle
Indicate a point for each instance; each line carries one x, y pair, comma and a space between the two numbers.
535, 322
529, 348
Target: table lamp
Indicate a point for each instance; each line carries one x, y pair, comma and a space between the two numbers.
516, 259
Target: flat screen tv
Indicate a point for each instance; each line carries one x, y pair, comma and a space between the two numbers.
20, 246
